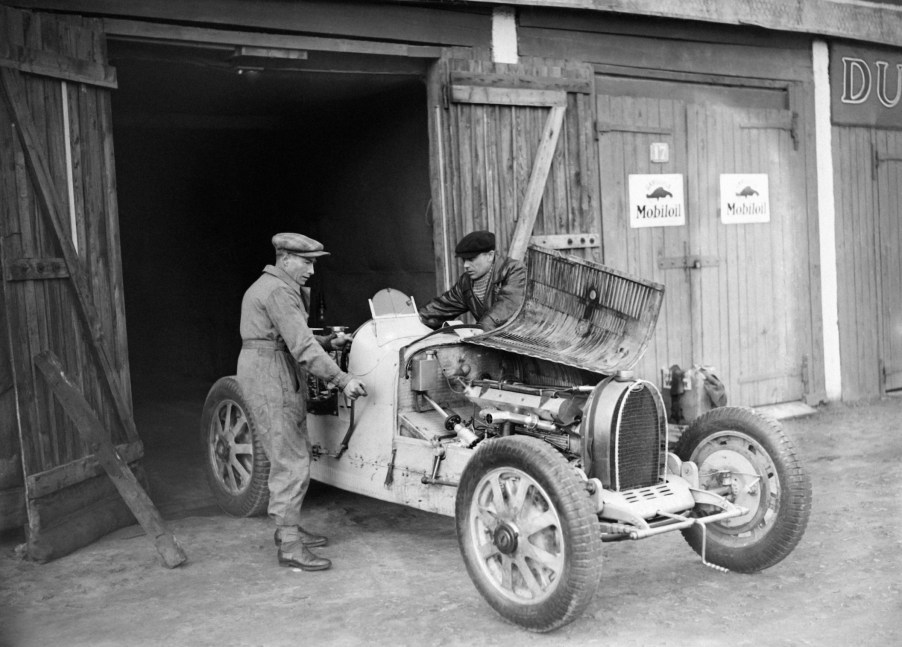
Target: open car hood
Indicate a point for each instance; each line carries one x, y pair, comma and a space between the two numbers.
580, 314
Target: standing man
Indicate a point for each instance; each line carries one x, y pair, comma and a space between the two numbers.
492, 287
278, 349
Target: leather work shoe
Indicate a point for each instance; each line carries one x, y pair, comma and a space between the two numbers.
307, 538
297, 555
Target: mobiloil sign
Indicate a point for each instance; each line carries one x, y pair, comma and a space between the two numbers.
656, 200
744, 198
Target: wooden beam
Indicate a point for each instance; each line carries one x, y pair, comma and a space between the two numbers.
582, 83
53, 207
93, 433
377, 21
868, 22
536, 187
507, 96
675, 76
57, 66
62, 476
135, 30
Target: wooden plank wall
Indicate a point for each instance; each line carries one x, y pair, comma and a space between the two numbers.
857, 262
889, 196
714, 315
639, 121
42, 313
488, 155
768, 293
867, 165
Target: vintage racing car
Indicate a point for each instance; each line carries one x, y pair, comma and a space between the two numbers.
537, 439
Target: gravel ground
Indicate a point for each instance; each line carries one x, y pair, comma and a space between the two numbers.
398, 578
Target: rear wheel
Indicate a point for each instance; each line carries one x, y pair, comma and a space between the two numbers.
748, 459
235, 463
528, 533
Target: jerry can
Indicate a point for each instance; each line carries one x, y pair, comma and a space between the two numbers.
704, 392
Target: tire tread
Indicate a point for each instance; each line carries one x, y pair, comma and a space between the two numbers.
255, 500
795, 506
585, 562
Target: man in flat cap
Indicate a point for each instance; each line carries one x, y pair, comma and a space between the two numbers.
492, 287
278, 349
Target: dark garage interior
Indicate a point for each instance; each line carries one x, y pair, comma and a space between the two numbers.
217, 149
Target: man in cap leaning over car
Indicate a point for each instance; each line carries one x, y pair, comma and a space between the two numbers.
278, 349
492, 287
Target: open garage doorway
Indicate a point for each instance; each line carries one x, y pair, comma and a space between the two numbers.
217, 149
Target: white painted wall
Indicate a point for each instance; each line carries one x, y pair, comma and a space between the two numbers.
826, 220
504, 35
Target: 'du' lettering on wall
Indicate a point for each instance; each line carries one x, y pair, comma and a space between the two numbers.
866, 86
857, 85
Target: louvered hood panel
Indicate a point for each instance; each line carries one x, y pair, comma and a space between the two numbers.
581, 314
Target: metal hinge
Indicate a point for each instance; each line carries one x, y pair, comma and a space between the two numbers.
806, 376
882, 158
789, 122
604, 127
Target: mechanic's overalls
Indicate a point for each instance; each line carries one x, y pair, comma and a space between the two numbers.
277, 351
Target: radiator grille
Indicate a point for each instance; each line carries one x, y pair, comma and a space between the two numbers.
580, 314
639, 440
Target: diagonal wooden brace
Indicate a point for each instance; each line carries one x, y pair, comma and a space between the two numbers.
93, 433
536, 186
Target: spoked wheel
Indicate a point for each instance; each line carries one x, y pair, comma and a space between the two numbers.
528, 533
236, 465
748, 459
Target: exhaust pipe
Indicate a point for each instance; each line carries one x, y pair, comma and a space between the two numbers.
452, 423
530, 421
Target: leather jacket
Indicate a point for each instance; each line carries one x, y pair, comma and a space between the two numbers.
507, 289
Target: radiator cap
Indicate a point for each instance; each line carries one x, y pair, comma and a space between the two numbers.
624, 376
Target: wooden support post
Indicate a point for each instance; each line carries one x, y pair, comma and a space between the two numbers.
92, 432
536, 187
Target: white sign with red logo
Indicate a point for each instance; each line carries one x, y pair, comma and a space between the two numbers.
744, 198
657, 201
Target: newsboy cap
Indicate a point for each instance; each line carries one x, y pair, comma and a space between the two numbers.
298, 244
475, 243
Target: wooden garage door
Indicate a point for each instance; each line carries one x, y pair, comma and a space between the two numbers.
513, 152
737, 295
62, 278
889, 253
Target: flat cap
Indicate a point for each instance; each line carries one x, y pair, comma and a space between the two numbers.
298, 244
475, 243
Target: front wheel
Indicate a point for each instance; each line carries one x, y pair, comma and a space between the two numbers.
748, 459
234, 460
528, 533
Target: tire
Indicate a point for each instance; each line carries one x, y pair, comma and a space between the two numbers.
234, 460
528, 533
736, 443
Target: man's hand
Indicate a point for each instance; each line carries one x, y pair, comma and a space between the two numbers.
340, 340
354, 389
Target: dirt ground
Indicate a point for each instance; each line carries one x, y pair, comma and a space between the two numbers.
398, 578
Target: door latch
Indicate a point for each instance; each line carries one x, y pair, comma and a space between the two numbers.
686, 262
